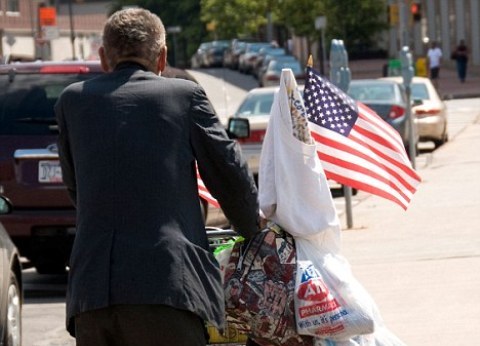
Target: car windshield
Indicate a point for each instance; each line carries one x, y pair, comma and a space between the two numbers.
419, 91
372, 92
256, 104
279, 65
27, 100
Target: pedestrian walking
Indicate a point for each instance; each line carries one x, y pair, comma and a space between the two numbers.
460, 55
434, 56
141, 272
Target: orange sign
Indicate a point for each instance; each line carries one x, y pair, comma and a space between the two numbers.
47, 16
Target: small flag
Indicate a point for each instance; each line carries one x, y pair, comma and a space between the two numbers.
356, 147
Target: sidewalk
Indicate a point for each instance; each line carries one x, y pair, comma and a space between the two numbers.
449, 85
422, 266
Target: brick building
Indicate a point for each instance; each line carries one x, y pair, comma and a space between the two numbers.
76, 32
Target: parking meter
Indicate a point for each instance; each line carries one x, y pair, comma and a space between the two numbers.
407, 74
339, 71
407, 66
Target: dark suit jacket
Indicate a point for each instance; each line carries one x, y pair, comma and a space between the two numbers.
128, 144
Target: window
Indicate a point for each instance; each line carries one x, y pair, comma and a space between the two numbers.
12, 6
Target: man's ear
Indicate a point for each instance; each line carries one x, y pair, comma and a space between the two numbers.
103, 59
162, 60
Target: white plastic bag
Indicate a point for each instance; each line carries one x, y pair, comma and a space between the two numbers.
293, 190
329, 302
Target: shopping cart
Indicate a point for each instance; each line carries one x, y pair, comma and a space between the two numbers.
233, 335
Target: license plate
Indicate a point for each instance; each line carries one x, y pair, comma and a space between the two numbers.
49, 172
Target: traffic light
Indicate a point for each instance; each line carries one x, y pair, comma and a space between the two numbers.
416, 11
392, 14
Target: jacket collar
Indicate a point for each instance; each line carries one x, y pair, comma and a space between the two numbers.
129, 64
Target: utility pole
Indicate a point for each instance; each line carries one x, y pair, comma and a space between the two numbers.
72, 31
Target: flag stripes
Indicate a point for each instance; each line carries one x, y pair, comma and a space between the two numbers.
356, 147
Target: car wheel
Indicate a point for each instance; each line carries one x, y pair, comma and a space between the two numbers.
442, 141
13, 332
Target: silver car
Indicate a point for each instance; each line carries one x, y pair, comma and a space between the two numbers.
10, 286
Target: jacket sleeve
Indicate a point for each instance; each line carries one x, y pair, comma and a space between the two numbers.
222, 166
66, 161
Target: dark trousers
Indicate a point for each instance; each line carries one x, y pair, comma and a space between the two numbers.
142, 325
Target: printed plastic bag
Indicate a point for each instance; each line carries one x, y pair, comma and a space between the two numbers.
329, 302
259, 287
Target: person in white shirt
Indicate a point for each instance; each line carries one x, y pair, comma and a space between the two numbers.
434, 56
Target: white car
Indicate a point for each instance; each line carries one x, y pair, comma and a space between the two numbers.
256, 108
430, 111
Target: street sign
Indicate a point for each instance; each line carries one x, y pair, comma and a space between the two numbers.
320, 22
50, 32
174, 29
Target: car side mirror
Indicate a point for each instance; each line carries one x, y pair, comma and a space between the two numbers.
238, 128
5, 205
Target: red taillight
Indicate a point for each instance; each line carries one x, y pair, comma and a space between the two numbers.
65, 69
256, 136
422, 113
396, 112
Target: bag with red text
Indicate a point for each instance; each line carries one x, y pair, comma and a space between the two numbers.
329, 302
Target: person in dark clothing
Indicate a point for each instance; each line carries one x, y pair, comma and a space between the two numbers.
460, 55
141, 271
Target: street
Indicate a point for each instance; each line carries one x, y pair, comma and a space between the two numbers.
44, 307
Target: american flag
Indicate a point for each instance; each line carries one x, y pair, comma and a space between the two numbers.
204, 193
356, 147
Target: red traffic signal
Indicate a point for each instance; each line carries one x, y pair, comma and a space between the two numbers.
416, 11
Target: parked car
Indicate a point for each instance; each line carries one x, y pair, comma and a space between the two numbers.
264, 52
42, 223
249, 57
271, 76
256, 108
388, 99
266, 60
431, 114
214, 53
198, 59
11, 297
232, 53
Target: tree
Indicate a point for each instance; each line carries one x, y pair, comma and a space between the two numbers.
235, 18
184, 13
355, 22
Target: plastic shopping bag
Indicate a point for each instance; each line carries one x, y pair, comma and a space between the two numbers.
259, 287
329, 302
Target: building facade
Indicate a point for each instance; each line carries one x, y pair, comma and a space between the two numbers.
76, 33
444, 21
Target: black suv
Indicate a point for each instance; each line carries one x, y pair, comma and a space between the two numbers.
42, 224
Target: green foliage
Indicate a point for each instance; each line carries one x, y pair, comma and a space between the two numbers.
355, 22
234, 18
183, 13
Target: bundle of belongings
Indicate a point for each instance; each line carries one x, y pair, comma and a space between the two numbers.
289, 285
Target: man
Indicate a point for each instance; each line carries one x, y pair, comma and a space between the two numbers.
140, 271
434, 56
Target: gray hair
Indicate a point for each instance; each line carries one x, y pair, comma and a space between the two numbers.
133, 33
